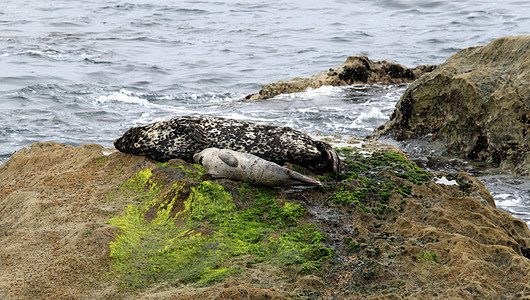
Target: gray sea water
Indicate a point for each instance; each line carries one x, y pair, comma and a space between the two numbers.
79, 72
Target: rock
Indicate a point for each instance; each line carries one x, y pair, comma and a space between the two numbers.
247, 292
442, 241
77, 223
355, 70
53, 212
477, 103
309, 283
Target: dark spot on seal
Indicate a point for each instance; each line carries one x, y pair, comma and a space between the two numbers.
228, 159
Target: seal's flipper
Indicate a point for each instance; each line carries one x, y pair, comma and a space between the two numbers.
331, 157
229, 159
336, 163
303, 180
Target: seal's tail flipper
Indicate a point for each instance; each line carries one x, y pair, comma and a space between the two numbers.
333, 162
299, 179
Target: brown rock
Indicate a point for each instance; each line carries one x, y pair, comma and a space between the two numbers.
247, 292
477, 103
309, 283
355, 70
54, 240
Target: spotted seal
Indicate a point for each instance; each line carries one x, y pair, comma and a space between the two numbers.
224, 163
184, 136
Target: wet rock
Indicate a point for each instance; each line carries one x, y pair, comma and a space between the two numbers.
477, 103
355, 70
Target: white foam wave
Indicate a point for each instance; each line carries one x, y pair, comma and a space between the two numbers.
108, 151
254, 117
507, 199
445, 181
123, 96
210, 97
360, 121
311, 93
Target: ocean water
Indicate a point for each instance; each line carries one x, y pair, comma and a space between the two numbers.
79, 72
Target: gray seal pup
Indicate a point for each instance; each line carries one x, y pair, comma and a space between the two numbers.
224, 163
182, 137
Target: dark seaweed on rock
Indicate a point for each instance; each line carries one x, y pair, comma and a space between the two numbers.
182, 137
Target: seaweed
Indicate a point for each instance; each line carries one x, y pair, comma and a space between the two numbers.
198, 242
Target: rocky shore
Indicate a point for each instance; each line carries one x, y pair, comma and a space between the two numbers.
93, 223
90, 222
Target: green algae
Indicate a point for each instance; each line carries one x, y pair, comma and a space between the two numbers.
369, 169
376, 162
198, 173
209, 202
404, 190
210, 234
137, 185
138, 182
370, 180
346, 196
354, 245
427, 256
102, 160
267, 208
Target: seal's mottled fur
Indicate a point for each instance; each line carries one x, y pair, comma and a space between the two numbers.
224, 163
182, 137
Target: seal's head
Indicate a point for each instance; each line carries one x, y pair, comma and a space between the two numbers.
129, 141
207, 156
199, 157
157, 141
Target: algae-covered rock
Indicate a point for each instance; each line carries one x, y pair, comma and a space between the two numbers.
403, 236
477, 103
90, 222
355, 70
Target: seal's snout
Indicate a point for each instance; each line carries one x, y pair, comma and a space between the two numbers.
120, 144
117, 143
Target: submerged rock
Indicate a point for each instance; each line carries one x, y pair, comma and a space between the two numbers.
477, 103
355, 70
